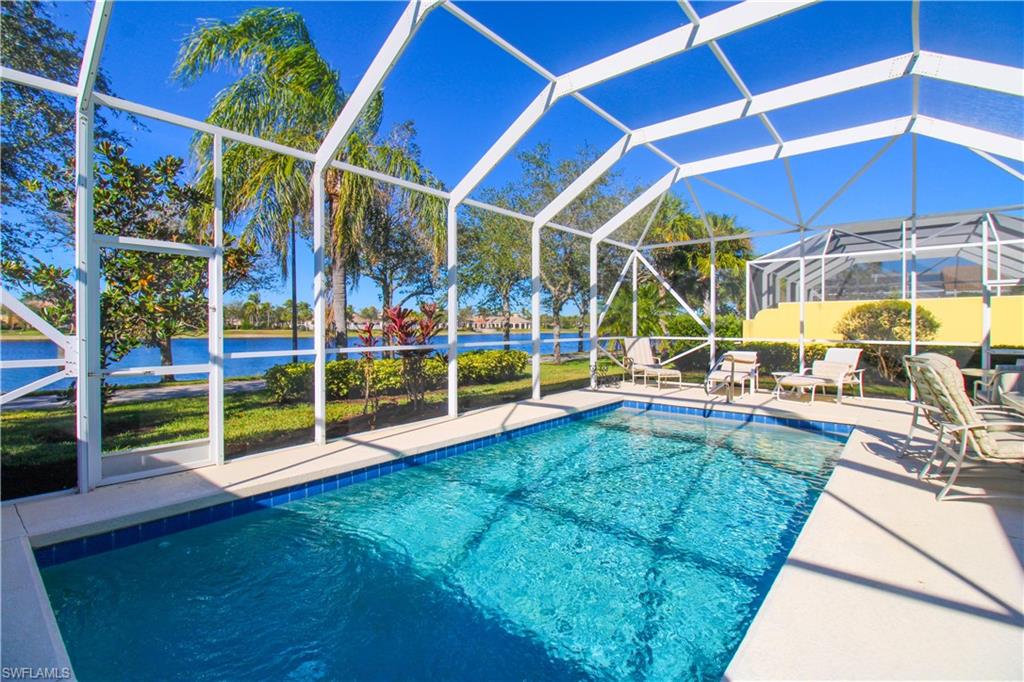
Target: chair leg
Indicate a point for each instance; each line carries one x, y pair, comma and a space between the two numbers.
961, 455
923, 473
910, 434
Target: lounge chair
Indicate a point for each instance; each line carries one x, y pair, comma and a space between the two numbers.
1005, 379
640, 360
987, 434
837, 369
734, 367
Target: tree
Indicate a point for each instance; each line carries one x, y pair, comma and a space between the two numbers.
288, 93
369, 312
886, 321
150, 298
495, 252
688, 268
564, 256
38, 126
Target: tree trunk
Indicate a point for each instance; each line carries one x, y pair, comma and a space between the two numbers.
340, 304
506, 324
385, 301
556, 329
295, 302
166, 357
580, 328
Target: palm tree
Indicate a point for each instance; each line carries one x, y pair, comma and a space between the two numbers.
288, 93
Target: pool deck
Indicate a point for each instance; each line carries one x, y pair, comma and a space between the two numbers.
883, 583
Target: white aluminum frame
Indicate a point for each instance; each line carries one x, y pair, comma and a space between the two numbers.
82, 351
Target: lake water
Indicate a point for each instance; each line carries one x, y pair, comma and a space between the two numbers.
194, 351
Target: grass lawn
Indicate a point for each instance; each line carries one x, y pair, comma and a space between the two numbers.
37, 450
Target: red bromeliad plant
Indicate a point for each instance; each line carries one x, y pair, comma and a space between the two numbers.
409, 329
370, 396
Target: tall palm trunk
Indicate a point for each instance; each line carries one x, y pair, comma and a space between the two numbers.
295, 302
340, 304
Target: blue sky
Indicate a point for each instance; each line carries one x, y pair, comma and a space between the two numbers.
462, 92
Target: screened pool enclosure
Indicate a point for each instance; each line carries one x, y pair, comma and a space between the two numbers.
974, 252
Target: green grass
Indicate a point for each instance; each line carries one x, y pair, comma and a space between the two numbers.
37, 449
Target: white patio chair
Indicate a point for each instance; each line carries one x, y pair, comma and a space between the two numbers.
735, 367
985, 434
640, 360
837, 369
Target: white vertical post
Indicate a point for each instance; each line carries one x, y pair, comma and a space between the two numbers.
88, 404
319, 313
636, 322
746, 291
986, 300
913, 249
453, 309
87, 308
803, 300
593, 312
803, 312
215, 330
903, 259
713, 314
535, 309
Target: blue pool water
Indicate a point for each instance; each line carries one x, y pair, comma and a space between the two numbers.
626, 545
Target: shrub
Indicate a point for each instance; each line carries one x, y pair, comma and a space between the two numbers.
341, 378
886, 321
490, 366
290, 383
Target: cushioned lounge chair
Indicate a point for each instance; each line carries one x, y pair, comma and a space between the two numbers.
984, 435
641, 361
836, 370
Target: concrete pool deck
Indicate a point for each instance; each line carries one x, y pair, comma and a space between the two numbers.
883, 582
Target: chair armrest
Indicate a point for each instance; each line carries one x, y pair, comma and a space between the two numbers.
1011, 426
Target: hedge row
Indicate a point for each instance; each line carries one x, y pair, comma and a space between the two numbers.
293, 382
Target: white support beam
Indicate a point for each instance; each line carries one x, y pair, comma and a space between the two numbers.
972, 138
593, 312
14, 304
712, 27
107, 241
215, 329
93, 52
805, 145
999, 164
453, 308
970, 72
396, 42
14, 394
718, 25
319, 313
745, 200
87, 263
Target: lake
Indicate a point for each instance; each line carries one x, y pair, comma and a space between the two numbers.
189, 351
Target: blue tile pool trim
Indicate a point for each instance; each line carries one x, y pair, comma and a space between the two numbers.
122, 537
831, 428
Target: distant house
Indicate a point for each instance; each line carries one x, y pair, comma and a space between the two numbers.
497, 322
357, 320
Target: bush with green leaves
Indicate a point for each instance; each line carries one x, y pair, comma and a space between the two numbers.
490, 366
290, 383
886, 321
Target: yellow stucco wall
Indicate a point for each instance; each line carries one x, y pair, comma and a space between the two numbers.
959, 320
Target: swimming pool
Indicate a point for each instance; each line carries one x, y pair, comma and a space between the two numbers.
628, 544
